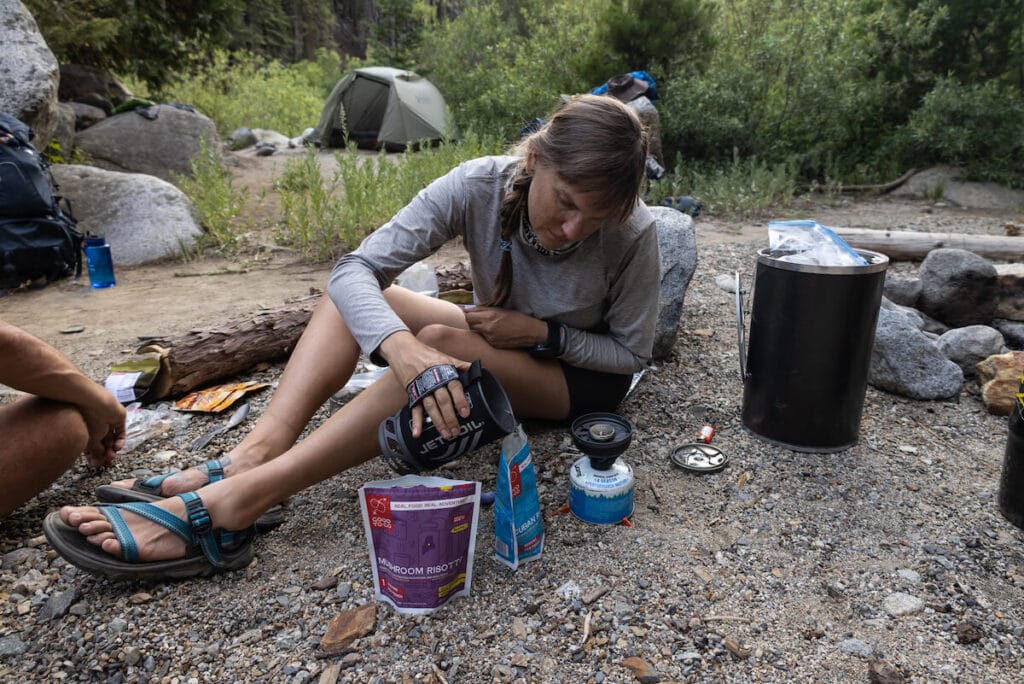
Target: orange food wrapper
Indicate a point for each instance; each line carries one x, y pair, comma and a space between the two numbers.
216, 399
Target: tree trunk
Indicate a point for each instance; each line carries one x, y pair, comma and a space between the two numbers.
200, 357
912, 246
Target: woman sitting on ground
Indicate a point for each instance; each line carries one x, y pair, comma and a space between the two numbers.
565, 269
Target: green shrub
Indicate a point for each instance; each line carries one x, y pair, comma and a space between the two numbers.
310, 210
785, 84
216, 199
500, 67
978, 126
242, 90
328, 216
740, 188
654, 35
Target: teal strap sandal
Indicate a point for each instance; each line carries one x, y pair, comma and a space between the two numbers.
208, 550
150, 487
148, 491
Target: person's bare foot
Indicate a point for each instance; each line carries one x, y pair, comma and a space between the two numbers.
238, 460
187, 480
153, 541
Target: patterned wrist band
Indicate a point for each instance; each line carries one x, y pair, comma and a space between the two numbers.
429, 381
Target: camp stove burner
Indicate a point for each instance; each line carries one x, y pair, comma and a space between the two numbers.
601, 483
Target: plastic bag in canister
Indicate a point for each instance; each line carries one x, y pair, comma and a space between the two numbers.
809, 242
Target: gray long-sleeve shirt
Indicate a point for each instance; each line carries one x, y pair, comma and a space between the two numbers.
605, 291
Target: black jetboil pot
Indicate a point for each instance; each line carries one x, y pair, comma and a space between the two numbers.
1011, 485
490, 418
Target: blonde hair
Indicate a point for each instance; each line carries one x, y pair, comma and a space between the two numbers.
592, 143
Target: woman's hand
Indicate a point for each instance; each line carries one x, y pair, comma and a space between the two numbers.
505, 328
408, 358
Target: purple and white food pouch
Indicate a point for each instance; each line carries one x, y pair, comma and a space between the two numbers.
421, 532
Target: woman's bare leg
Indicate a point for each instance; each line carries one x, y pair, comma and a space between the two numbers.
348, 438
321, 363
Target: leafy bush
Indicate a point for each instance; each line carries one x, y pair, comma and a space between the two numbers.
216, 199
327, 216
977, 126
499, 68
655, 35
153, 40
784, 86
242, 90
310, 209
738, 188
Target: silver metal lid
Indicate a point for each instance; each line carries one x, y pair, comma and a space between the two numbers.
698, 457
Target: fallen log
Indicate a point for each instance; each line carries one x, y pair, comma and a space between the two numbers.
913, 246
202, 356
880, 188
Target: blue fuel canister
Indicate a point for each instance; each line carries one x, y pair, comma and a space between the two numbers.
601, 483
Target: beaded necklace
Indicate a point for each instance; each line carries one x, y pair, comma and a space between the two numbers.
527, 233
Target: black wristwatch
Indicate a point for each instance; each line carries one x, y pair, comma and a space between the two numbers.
554, 346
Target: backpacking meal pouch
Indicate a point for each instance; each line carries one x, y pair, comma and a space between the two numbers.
518, 527
421, 533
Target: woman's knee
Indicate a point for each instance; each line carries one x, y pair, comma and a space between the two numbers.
445, 338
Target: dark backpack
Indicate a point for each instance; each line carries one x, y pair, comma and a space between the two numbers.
38, 240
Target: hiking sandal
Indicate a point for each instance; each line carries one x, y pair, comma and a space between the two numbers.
208, 550
148, 491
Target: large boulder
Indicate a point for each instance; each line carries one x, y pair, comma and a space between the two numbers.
901, 290
64, 131
86, 115
28, 72
968, 346
143, 218
1010, 304
999, 377
905, 362
958, 287
677, 244
162, 143
90, 85
1012, 331
947, 182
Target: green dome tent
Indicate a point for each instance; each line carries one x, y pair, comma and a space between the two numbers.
383, 107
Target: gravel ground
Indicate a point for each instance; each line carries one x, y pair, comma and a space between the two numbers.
890, 556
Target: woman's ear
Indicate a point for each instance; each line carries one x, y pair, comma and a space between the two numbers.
531, 160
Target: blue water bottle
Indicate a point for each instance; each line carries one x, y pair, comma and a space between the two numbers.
98, 261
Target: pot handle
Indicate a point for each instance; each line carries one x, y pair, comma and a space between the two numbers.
740, 335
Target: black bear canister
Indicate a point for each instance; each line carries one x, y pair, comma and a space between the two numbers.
1011, 485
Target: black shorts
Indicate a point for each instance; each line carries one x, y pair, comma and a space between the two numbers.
591, 391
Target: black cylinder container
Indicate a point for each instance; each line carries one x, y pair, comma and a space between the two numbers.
811, 333
490, 418
1011, 484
